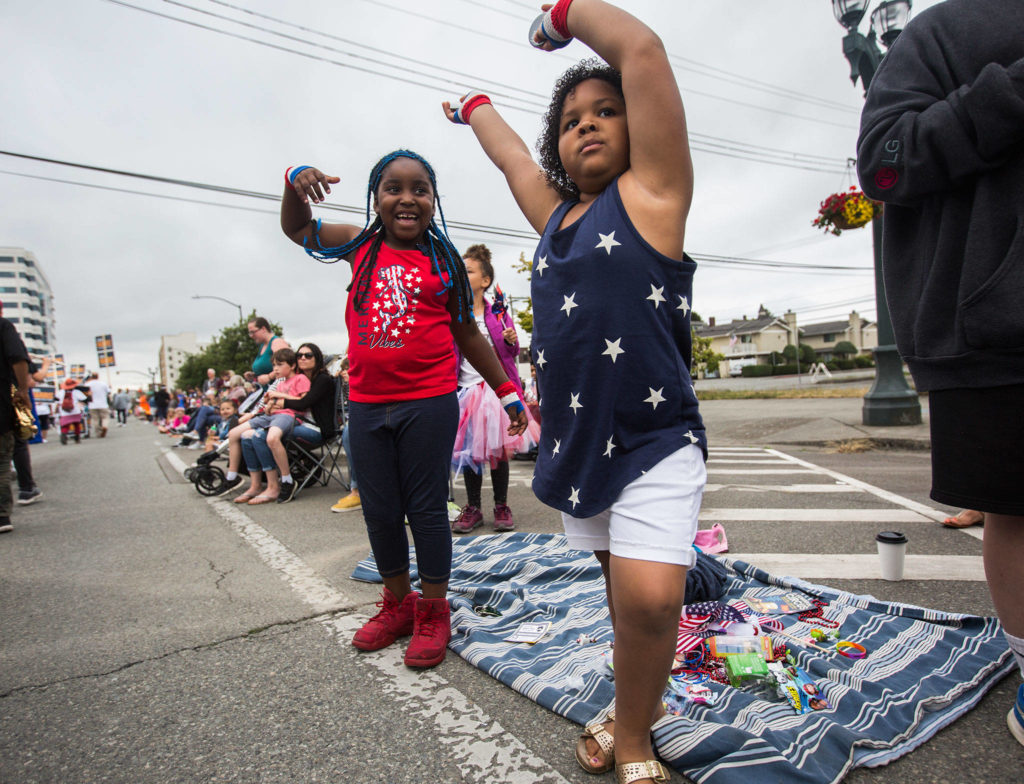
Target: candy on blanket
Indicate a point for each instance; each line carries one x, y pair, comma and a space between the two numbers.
743, 667
797, 686
724, 646
681, 693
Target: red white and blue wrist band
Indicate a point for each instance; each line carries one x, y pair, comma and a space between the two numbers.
465, 109
289, 175
553, 25
509, 398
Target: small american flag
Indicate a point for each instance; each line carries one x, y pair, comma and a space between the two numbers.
693, 623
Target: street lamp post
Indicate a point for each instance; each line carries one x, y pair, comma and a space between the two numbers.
890, 401
241, 318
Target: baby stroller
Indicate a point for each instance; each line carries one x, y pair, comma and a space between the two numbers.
208, 478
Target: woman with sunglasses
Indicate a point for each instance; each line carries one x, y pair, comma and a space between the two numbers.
319, 401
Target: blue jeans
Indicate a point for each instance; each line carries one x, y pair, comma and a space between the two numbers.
256, 451
404, 451
204, 418
309, 436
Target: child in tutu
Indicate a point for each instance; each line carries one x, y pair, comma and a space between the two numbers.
483, 424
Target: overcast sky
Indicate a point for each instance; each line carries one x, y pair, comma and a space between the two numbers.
105, 84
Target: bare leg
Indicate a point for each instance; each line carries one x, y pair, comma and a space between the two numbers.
273, 484
277, 450
649, 598
399, 585
435, 590
605, 559
235, 446
255, 484
1004, 568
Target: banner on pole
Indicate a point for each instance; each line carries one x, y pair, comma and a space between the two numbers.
57, 370
105, 350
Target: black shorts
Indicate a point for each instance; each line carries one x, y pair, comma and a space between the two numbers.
978, 448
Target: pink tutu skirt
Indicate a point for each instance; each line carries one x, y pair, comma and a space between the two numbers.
483, 431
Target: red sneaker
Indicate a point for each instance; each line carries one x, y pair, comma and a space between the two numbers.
469, 518
503, 518
430, 636
394, 620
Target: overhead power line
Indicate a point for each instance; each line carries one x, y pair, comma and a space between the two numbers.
699, 142
462, 226
685, 63
535, 99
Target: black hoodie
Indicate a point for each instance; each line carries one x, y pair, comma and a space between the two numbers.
942, 144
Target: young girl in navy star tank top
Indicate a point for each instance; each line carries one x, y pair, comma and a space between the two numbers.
408, 299
622, 445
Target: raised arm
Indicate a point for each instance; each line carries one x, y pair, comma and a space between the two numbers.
509, 153
302, 184
659, 150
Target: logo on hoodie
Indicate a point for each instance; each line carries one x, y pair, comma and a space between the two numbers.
886, 177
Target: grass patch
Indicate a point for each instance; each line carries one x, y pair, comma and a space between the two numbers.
852, 446
781, 394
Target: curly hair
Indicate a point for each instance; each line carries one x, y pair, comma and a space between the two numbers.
547, 144
481, 254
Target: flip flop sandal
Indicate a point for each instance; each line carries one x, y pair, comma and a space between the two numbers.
604, 739
629, 772
262, 499
244, 498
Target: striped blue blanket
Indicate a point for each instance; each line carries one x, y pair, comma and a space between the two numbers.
924, 668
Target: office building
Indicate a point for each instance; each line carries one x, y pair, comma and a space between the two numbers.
28, 299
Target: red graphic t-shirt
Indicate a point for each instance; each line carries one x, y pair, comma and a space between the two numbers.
401, 345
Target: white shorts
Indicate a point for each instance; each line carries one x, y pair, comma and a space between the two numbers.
655, 516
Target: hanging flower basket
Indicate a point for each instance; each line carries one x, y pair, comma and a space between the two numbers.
847, 210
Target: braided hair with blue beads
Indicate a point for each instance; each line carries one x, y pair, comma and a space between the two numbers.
447, 261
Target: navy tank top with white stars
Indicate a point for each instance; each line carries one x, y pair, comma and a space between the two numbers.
611, 342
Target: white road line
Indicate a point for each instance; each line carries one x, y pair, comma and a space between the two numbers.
812, 488
864, 567
750, 461
482, 748
762, 471
761, 514
906, 503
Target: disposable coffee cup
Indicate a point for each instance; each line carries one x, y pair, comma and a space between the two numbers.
892, 549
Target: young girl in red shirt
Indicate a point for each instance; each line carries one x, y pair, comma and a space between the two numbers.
408, 300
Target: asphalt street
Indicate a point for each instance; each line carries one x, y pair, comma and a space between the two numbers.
152, 635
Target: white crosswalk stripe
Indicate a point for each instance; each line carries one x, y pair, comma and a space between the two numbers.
868, 506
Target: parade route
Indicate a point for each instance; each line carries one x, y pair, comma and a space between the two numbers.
154, 635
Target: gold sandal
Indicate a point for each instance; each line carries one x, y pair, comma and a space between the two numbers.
604, 739
629, 772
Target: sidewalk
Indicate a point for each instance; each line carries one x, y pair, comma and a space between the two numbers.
805, 422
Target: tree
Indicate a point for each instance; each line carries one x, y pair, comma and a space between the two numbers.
844, 348
232, 349
704, 358
808, 356
525, 316
777, 358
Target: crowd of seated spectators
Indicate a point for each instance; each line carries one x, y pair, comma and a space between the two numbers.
288, 394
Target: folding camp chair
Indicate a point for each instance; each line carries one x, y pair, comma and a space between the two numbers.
321, 463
